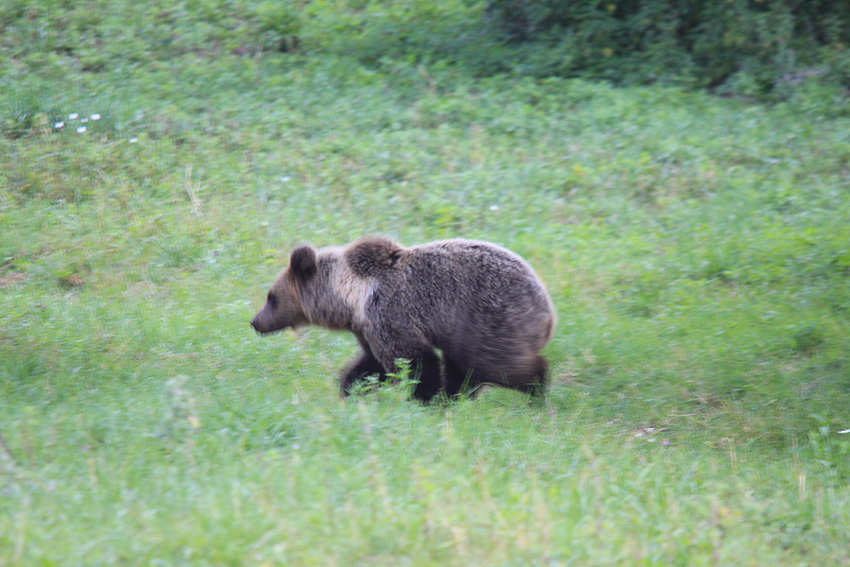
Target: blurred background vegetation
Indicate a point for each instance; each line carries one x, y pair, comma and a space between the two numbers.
771, 50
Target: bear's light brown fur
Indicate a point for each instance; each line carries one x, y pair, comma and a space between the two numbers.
481, 305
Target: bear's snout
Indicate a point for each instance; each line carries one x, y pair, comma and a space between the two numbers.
255, 325
260, 322
267, 320
262, 327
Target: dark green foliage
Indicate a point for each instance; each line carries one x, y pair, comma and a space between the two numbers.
780, 50
741, 47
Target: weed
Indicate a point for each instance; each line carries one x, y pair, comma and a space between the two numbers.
831, 449
807, 339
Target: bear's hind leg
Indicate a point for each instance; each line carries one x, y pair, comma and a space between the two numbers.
531, 379
458, 379
365, 365
535, 381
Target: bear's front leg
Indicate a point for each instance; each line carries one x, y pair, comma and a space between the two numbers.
426, 369
425, 365
365, 365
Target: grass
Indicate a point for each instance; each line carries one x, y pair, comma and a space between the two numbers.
696, 250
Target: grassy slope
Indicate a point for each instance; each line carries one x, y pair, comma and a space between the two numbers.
696, 249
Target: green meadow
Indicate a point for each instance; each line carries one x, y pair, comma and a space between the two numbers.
158, 161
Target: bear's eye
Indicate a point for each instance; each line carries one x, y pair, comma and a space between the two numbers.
272, 299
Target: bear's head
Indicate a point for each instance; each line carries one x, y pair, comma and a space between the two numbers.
329, 287
284, 307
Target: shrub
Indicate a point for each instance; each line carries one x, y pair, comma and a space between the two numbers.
743, 47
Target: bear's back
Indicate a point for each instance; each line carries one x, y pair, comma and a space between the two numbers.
473, 291
471, 268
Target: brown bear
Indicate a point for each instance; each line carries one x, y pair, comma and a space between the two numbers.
480, 305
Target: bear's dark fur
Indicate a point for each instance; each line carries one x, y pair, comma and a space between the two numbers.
481, 305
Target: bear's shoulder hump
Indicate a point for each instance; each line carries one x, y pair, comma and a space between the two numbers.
372, 256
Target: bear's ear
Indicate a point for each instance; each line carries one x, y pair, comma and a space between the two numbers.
302, 263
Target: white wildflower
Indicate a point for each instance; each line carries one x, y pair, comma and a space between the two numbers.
59, 124
73, 116
81, 129
95, 116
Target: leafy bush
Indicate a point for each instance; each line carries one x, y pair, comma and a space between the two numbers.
741, 47
783, 50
